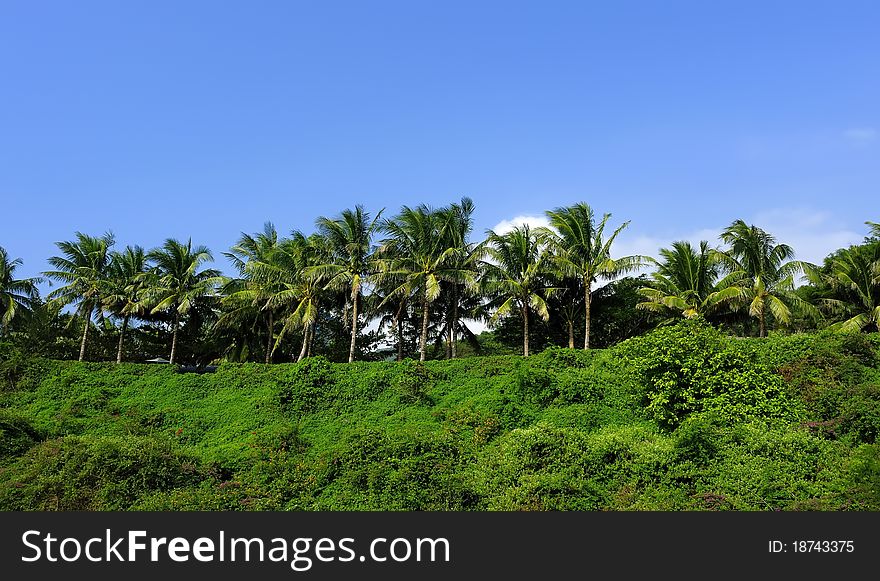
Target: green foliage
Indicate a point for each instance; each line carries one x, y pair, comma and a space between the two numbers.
680, 419
690, 367
307, 388
412, 381
17, 434
93, 473
548, 468
863, 478
12, 364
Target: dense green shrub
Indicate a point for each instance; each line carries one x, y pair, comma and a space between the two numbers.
691, 367
94, 473
17, 434
12, 364
763, 467
307, 387
396, 470
549, 468
412, 381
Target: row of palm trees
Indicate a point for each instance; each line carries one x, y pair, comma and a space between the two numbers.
420, 265
758, 275
100, 281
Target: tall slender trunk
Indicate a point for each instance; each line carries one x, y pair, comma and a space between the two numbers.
525, 312
423, 341
305, 347
174, 335
399, 339
762, 330
398, 322
121, 336
82, 345
570, 334
448, 348
312, 327
454, 332
354, 325
270, 327
587, 313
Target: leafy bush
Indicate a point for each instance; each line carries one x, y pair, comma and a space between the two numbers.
691, 367
17, 435
548, 468
307, 387
94, 473
412, 380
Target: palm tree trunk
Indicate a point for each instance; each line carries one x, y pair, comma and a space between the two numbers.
82, 345
570, 334
525, 310
304, 350
454, 320
121, 336
174, 335
312, 327
399, 339
423, 341
398, 323
354, 326
762, 328
587, 313
269, 340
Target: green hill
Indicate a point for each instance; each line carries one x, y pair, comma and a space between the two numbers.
681, 419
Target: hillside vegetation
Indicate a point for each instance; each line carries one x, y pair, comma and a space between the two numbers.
683, 418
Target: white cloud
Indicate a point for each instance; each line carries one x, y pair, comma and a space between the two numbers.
861, 135
505, 226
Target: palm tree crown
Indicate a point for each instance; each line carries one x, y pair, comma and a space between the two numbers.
686, 281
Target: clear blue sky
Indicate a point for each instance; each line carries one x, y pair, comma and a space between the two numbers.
156, 119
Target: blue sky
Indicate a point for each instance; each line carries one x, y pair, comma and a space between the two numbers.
204, 119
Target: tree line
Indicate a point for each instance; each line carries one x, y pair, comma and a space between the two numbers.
419, 276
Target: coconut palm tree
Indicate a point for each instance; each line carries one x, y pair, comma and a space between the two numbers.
417, 256
516, 275
581, 249
246, 298
351, 265
763, 276
17, 296
293, 285
176, 284
462, 271
855, 279
83, 266
686, 281
125, 284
